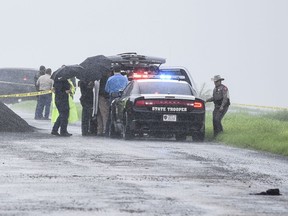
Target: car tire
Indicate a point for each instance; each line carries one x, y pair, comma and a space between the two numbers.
198, 136
180, 137
112, 131
127, 133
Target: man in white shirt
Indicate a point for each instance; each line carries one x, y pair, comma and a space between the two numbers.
45, 83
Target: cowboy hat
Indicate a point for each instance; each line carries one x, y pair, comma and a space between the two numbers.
217, 78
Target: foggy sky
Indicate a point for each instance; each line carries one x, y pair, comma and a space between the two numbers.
245, 41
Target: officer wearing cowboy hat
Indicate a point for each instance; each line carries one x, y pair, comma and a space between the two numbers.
221, 101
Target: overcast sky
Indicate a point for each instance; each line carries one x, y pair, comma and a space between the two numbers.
245, 41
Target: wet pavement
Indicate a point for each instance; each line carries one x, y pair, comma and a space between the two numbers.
41, 174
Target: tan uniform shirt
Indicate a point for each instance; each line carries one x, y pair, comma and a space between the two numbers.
221, 96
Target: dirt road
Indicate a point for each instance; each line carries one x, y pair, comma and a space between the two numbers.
41, 174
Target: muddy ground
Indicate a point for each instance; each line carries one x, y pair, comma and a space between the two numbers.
41, 174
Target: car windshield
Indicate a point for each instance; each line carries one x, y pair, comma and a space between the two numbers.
165, 88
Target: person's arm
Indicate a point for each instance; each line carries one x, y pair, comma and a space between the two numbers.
225, 97
210, 99
107, 89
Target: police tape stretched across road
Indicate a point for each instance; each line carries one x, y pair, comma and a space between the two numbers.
28, 94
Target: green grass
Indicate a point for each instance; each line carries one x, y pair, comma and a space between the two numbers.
264, 131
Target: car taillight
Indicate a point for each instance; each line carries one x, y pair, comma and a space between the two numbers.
198, 105
139, 76
185, 103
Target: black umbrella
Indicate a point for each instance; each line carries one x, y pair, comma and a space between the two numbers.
67, 72
95, 67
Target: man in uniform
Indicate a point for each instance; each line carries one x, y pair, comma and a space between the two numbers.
62, 91
221, 101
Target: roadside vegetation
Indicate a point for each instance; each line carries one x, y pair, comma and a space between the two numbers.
253, 129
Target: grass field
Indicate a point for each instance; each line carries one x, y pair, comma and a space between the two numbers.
260, 130
243, 127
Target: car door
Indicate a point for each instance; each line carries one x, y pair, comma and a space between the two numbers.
122, 101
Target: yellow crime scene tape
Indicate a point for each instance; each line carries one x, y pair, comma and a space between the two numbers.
16, 83
29, 94
262, 107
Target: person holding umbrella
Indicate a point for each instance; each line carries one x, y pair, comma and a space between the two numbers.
88, 123
62, 91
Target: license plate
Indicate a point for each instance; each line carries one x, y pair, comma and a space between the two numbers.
170, 118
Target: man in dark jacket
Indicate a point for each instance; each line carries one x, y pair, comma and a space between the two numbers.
221, 101
88, 123
62, 91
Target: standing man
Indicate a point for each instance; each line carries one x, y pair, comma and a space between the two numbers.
103, 107
36, 77
221, 101
44, 101
88, 123
113, 85
62, 91
41, 72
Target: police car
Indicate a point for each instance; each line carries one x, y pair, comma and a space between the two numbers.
147, 67
16, 81
156, 107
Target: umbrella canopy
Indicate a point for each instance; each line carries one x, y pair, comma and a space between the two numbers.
95, 67
67, 72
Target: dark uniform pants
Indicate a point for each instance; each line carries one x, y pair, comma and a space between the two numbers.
217, 118
88, 123
62, 120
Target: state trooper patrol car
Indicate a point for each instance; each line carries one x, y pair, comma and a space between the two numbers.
158, 107
159, 100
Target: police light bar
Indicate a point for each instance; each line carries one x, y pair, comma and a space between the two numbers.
155, 76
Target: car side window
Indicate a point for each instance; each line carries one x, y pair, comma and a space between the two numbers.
127, 90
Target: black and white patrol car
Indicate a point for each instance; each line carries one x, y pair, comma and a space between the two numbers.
158, 106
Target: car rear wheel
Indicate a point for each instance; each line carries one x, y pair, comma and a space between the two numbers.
180, 137
127, 133
198, 136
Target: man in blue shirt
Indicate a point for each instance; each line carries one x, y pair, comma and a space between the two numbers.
115, 83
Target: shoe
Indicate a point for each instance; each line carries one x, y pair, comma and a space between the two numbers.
65, 134
46, 119
55, 133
